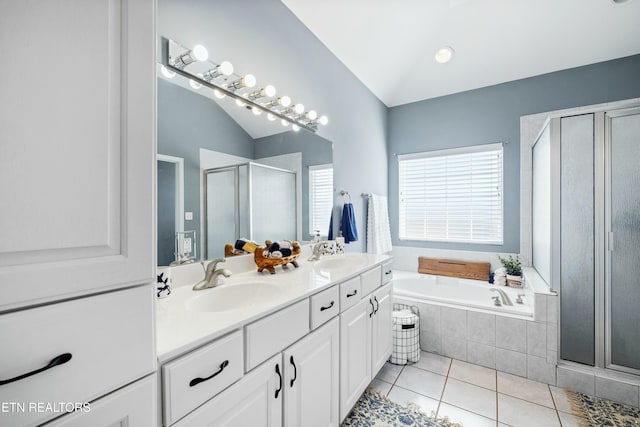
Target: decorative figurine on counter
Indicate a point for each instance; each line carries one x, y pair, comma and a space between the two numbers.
274, 254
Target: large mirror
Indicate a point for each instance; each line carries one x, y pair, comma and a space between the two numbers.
219, 167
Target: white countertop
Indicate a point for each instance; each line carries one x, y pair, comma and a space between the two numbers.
179, 330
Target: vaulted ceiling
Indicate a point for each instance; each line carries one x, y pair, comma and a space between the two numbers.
390, 44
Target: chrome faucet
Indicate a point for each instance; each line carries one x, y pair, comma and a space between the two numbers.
211, 275
321, 248
503, 294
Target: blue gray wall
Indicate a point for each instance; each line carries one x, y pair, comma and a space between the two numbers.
492, 114
265, 38
187, 122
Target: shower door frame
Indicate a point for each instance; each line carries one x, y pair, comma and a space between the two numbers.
607, 235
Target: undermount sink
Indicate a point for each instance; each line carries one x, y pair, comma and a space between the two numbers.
232, 297
340, 263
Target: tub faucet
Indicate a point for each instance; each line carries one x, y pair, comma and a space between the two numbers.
503, 294
321, 248
211, 275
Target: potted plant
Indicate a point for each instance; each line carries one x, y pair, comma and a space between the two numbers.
514, 270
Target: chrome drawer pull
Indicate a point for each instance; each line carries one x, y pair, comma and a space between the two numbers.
327, 307
56, 361
355, 292
199, 380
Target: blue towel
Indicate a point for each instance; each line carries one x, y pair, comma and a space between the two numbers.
330, 234
349, 230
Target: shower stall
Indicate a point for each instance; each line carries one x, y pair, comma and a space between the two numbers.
248, 200
586, 233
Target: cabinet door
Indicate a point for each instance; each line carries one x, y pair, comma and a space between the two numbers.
77, 148
312, 373
381, 345
355, 353
255, 400
134, 405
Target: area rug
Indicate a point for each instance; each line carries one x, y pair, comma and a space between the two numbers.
375, 410
602, 412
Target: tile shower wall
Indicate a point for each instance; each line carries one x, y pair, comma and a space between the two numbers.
527, 348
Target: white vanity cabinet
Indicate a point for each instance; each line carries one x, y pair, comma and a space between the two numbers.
311, 385
365, 340
77, 149
77, 218
305, 363
133, 405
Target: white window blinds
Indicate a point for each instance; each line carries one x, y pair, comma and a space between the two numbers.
320, 198
452, 195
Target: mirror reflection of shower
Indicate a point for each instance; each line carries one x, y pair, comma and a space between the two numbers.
249, 200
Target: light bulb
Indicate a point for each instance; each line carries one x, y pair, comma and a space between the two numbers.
285, 101
218, 94
444, 55
271, 117
256, 111
284, 122
200, 52
298, 108
312, 115
239, 103
226, 68
269, 90
167, 72
249, 80
296, 128
323, 120
194, 84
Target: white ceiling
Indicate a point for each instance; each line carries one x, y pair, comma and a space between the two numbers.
390, 44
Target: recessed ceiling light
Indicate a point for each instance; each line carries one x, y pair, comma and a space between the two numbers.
444, 55
620, 1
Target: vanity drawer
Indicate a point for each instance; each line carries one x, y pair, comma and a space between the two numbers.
387, 272
350, 293
324, 306
371, 280
195, 378
270, 335
109, 337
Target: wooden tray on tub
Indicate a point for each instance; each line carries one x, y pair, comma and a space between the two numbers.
270, 264
454, 268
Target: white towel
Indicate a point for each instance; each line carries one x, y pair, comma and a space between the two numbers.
378, 230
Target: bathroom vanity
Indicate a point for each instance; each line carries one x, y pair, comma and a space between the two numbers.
296, 348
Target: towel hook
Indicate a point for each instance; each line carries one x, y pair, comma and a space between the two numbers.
345, 194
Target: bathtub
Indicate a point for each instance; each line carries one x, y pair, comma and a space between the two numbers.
459, 293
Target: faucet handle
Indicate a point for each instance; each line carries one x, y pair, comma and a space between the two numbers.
214, 263
519, 299
496, 301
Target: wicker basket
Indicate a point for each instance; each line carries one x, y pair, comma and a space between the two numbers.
270, 264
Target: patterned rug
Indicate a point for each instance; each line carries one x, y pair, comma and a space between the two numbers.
375, 410
602, 412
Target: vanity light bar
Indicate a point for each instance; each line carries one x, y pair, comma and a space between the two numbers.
176, 58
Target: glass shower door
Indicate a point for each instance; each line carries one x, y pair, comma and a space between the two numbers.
623, 278
222, 213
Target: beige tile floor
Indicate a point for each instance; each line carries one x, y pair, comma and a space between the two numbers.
476, 396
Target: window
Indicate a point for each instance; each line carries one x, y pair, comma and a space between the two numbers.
320, 198
452, 195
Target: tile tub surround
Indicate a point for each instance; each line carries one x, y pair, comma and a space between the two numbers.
520, 346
